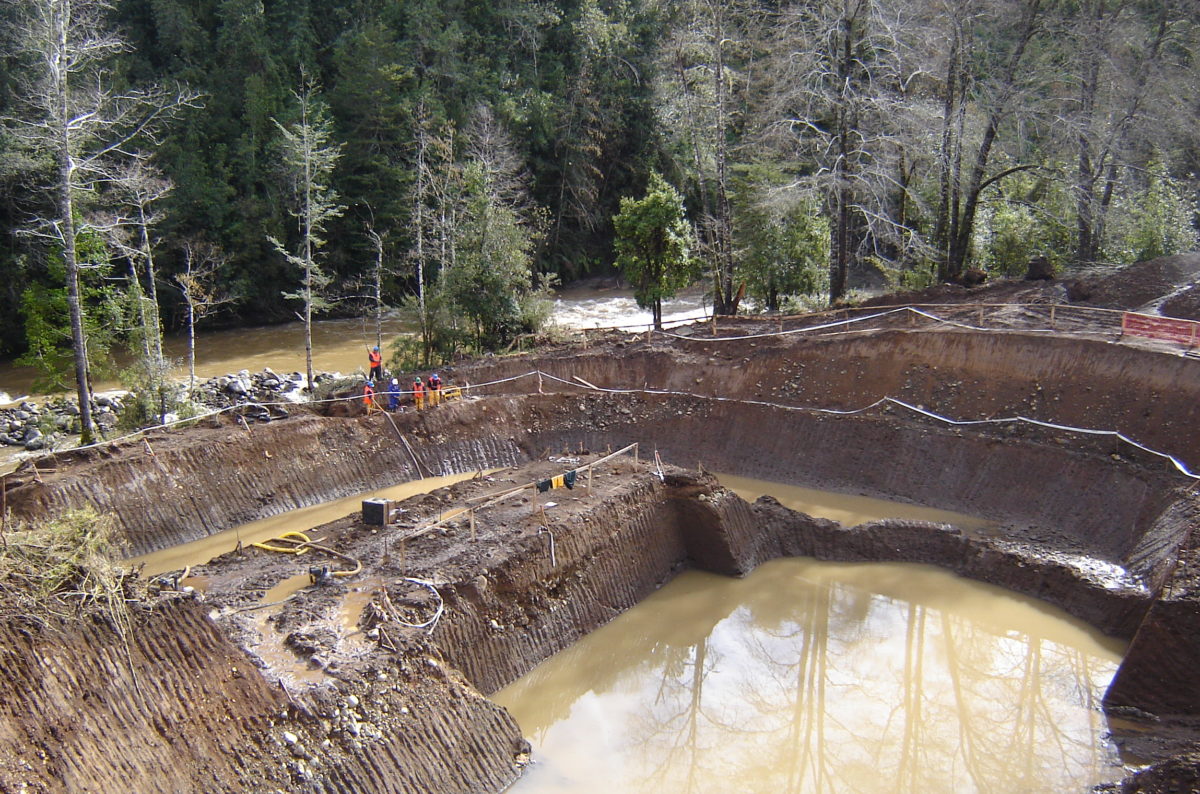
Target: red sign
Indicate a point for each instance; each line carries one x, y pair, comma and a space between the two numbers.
1172, 330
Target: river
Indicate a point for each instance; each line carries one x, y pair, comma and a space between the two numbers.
341, 345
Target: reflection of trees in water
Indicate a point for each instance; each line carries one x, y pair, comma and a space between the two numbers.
844, 691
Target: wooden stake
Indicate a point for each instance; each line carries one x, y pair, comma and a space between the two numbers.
589, 493
472, 523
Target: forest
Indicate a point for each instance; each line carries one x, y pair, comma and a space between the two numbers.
165, 162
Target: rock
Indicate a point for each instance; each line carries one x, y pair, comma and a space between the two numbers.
103, 401
235, 386
33, 439
973, 277
1039, 269
21, 416
290, 738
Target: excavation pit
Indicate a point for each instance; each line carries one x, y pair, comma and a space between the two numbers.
1089, 523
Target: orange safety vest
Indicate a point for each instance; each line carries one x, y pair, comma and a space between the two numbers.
368, 395
376, 358
418, 389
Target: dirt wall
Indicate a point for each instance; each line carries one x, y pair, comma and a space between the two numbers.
174, 488
179, 708
1152, 397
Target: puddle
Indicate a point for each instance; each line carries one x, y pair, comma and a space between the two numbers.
201, 551
820, 677
286, 588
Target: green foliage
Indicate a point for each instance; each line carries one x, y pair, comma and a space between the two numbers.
444, 339
48, 323
1156, 220
1029, 218
492, 275
153, 393
916, 276
653, 245
783, 241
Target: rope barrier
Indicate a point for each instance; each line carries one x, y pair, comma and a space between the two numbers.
899, 403
912, 309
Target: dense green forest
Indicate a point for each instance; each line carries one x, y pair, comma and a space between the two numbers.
473, 147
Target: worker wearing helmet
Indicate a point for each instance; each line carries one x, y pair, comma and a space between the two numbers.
369, 396
376, 360
418, 393
435, 389
393, 393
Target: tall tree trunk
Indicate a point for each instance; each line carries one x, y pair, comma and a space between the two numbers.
66, 212
960, 243
153, 321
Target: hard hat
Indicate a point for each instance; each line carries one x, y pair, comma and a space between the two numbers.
376, 348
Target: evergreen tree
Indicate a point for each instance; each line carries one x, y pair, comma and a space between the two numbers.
653, 245
309, 156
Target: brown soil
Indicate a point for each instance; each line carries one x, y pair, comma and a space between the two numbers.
232, 695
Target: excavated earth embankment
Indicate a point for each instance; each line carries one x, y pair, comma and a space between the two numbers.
1088, 521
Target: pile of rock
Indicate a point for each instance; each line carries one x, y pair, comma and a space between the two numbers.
247, 387
34, 427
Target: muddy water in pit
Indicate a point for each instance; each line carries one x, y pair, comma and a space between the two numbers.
846, 509
821, 677
201, 551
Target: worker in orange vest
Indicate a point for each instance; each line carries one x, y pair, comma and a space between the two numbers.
376, 359
369, 396
434, 389
418, 393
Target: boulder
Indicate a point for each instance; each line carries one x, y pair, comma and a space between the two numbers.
1039, 269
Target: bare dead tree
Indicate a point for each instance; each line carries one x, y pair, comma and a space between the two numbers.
76, 118
1125, 101
993, 97
129, 229
203, 291
701, 93
841, 76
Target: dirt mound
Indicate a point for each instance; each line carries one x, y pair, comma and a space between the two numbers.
1139, 287
1154, 285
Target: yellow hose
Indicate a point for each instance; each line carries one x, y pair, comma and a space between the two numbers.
303, 544
299, 538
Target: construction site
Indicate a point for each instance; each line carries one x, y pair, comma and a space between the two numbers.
361, 653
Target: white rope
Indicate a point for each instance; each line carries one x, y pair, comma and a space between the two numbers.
958, 422
430, 624
553, 562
